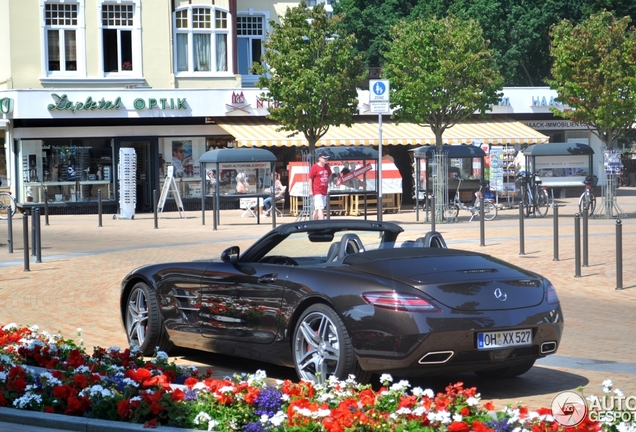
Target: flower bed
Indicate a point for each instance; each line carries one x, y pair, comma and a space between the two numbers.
47, 373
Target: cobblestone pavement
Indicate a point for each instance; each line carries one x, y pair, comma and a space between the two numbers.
77, 285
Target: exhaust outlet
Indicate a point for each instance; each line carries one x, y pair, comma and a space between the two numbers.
548, 347
436, 357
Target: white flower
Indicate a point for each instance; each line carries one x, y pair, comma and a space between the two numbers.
618, 393
607, 385
472, 401
79, 331
457, 417
278, 418
130, 382
27, 400
443, 417
202, 417
403, 411
97, 391
11, 326
386, 378
162, 355
401, 386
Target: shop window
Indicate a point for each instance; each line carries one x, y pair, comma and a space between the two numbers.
181, 156
120, 36
65, 170
201, 43
64, 37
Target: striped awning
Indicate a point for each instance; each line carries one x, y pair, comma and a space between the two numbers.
259, 131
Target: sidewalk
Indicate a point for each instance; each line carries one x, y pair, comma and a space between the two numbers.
77, 284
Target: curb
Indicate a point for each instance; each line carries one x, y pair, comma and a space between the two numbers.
69, 423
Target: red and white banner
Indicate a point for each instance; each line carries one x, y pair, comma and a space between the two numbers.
347, 173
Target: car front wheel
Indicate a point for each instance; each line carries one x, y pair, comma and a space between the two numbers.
322, 347
143, 321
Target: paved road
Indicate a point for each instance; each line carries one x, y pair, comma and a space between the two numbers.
77, 286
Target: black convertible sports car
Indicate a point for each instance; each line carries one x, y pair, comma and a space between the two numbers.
346, 297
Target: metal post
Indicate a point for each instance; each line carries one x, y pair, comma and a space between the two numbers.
585, 219
379, 200
33, 241
555, 220
577, 245
432, 209
46, 208
37, 245
619, 254
521, 238
99, 208
482, 227
10, 228
156, 215
25, 239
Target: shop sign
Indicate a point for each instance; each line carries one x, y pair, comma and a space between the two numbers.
545, 101
62, 103
6, 105
553, 124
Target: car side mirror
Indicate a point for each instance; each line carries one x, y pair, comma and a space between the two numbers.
231, 254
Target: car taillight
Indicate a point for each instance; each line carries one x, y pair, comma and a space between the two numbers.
399, 301
551, 294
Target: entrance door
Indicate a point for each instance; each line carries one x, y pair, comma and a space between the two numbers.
146, 151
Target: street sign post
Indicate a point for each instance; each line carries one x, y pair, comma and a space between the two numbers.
379, 98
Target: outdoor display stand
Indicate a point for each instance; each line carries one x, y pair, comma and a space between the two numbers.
465, 163
127, 174
559, 165
170, 184
218, 177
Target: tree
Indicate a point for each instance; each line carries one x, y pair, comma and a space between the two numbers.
310, 71
594, 73
441, 72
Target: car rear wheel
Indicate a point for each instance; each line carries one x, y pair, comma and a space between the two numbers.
322, 347
143, 321
507, 372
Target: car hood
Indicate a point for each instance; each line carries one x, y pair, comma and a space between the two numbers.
459, 280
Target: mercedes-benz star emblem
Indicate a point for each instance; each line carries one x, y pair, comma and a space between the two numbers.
500, 294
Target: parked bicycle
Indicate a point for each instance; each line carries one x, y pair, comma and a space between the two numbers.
7, 205
534, 196
587, 201
452, 209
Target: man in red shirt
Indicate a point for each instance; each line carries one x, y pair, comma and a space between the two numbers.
319, 175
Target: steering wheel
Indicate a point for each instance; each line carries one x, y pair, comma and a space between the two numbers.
279, 259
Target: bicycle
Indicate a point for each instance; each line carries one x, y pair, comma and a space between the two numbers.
587, 201
534, 197
452, 209
7, 205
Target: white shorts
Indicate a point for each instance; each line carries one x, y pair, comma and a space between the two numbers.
320, 202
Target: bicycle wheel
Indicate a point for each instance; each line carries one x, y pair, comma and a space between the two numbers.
490, 211
450, 212
7, 205
587, 198
525, 202
542, 204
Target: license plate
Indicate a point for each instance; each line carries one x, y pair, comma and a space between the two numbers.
502, 339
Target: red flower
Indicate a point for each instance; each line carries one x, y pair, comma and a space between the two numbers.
177, 395
465, 411
150, 424
251, 395
458, 427
123, 409
80, 381
489, 406
191, 382
478, 426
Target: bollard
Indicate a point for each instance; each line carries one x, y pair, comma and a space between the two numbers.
482, 228
156, 212
46, 209
38, 237
433, 213
521, 238
33, 241
577, 245
99, 208
25, 238
619, 254
584, 240
10, 234
555, 213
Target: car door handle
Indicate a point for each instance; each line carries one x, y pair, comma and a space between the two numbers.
268, 278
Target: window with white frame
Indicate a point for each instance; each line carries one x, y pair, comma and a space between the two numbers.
201, 39
250, 30
117, 37
62, 25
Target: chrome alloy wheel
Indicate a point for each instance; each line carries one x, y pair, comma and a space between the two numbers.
316, 347
137, 316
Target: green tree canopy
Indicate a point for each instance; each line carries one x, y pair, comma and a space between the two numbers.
310, 70
441, 72
594, 73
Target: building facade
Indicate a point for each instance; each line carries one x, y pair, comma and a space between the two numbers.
81, 80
